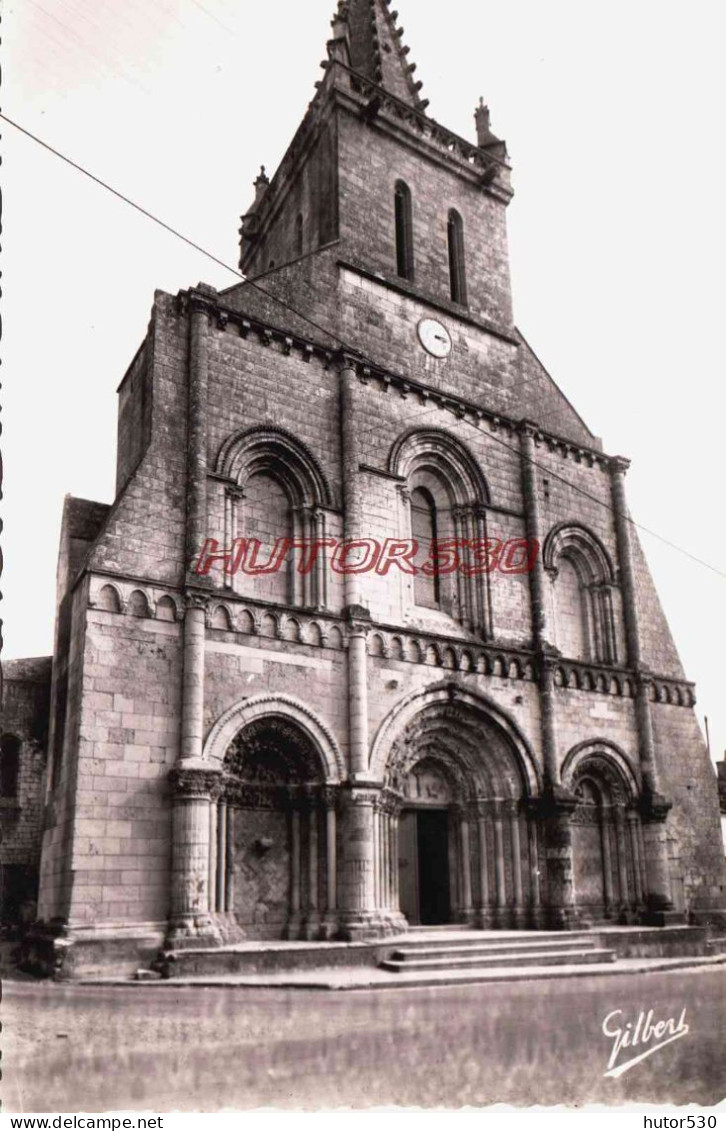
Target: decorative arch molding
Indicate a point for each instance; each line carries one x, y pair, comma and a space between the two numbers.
414, 705
255, 449
437, 448
572, 539
284, 707
601, 754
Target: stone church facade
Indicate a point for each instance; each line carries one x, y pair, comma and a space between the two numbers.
319, 753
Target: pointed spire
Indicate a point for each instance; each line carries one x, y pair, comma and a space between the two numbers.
369, 33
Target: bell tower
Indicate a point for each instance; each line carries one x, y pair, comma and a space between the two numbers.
371, 171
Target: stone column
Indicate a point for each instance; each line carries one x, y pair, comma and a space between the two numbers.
635, 853
535, 881
533, 527
607, 864
482, 579
398, 921
520, 915
294, 924
502, 915
330, 925
201, 308
558, 803
556, 809
213, 848
485, 917
357, 614
312, 921
192, 705
621, 848
618, 468
229, 875
360, 918
467, 908
654, 807
193, 791
221, 857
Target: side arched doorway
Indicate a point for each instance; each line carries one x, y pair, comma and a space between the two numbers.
607, 842
273, 858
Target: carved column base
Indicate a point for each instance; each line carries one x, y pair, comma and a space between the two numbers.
294, 928
484, 920
312, 927
520, 918
503, 918
537, 918
466, 915
330, 927
229, 928
364, 926
192, 932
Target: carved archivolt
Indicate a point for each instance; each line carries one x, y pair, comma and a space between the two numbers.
281, 709
440, 450
607, 765
270, 448
480, 748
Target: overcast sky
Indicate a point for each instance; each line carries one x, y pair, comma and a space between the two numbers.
613, 113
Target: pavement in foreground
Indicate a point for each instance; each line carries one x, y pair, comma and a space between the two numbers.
165, 1048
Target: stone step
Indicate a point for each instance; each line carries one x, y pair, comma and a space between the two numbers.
481, 962
515, 950
536, 939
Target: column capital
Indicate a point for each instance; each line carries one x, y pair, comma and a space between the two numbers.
359, 620
555, 803
347, 359
619, 465
362, 794
330, 796
194, 600
195, 781
654, 807
528, 429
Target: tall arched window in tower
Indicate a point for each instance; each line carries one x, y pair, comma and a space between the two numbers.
404, 231
427, 590
299, 234
457, 263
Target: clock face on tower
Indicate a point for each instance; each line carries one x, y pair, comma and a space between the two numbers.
434, 337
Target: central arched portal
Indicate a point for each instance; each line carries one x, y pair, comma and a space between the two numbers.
465, 831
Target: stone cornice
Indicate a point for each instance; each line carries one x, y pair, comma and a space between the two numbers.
380, 107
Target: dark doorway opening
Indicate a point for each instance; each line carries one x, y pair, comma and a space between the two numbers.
433, 866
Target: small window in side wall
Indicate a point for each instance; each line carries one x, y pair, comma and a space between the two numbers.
299, 234
457, 261
426, 590
9, 765
404, 231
